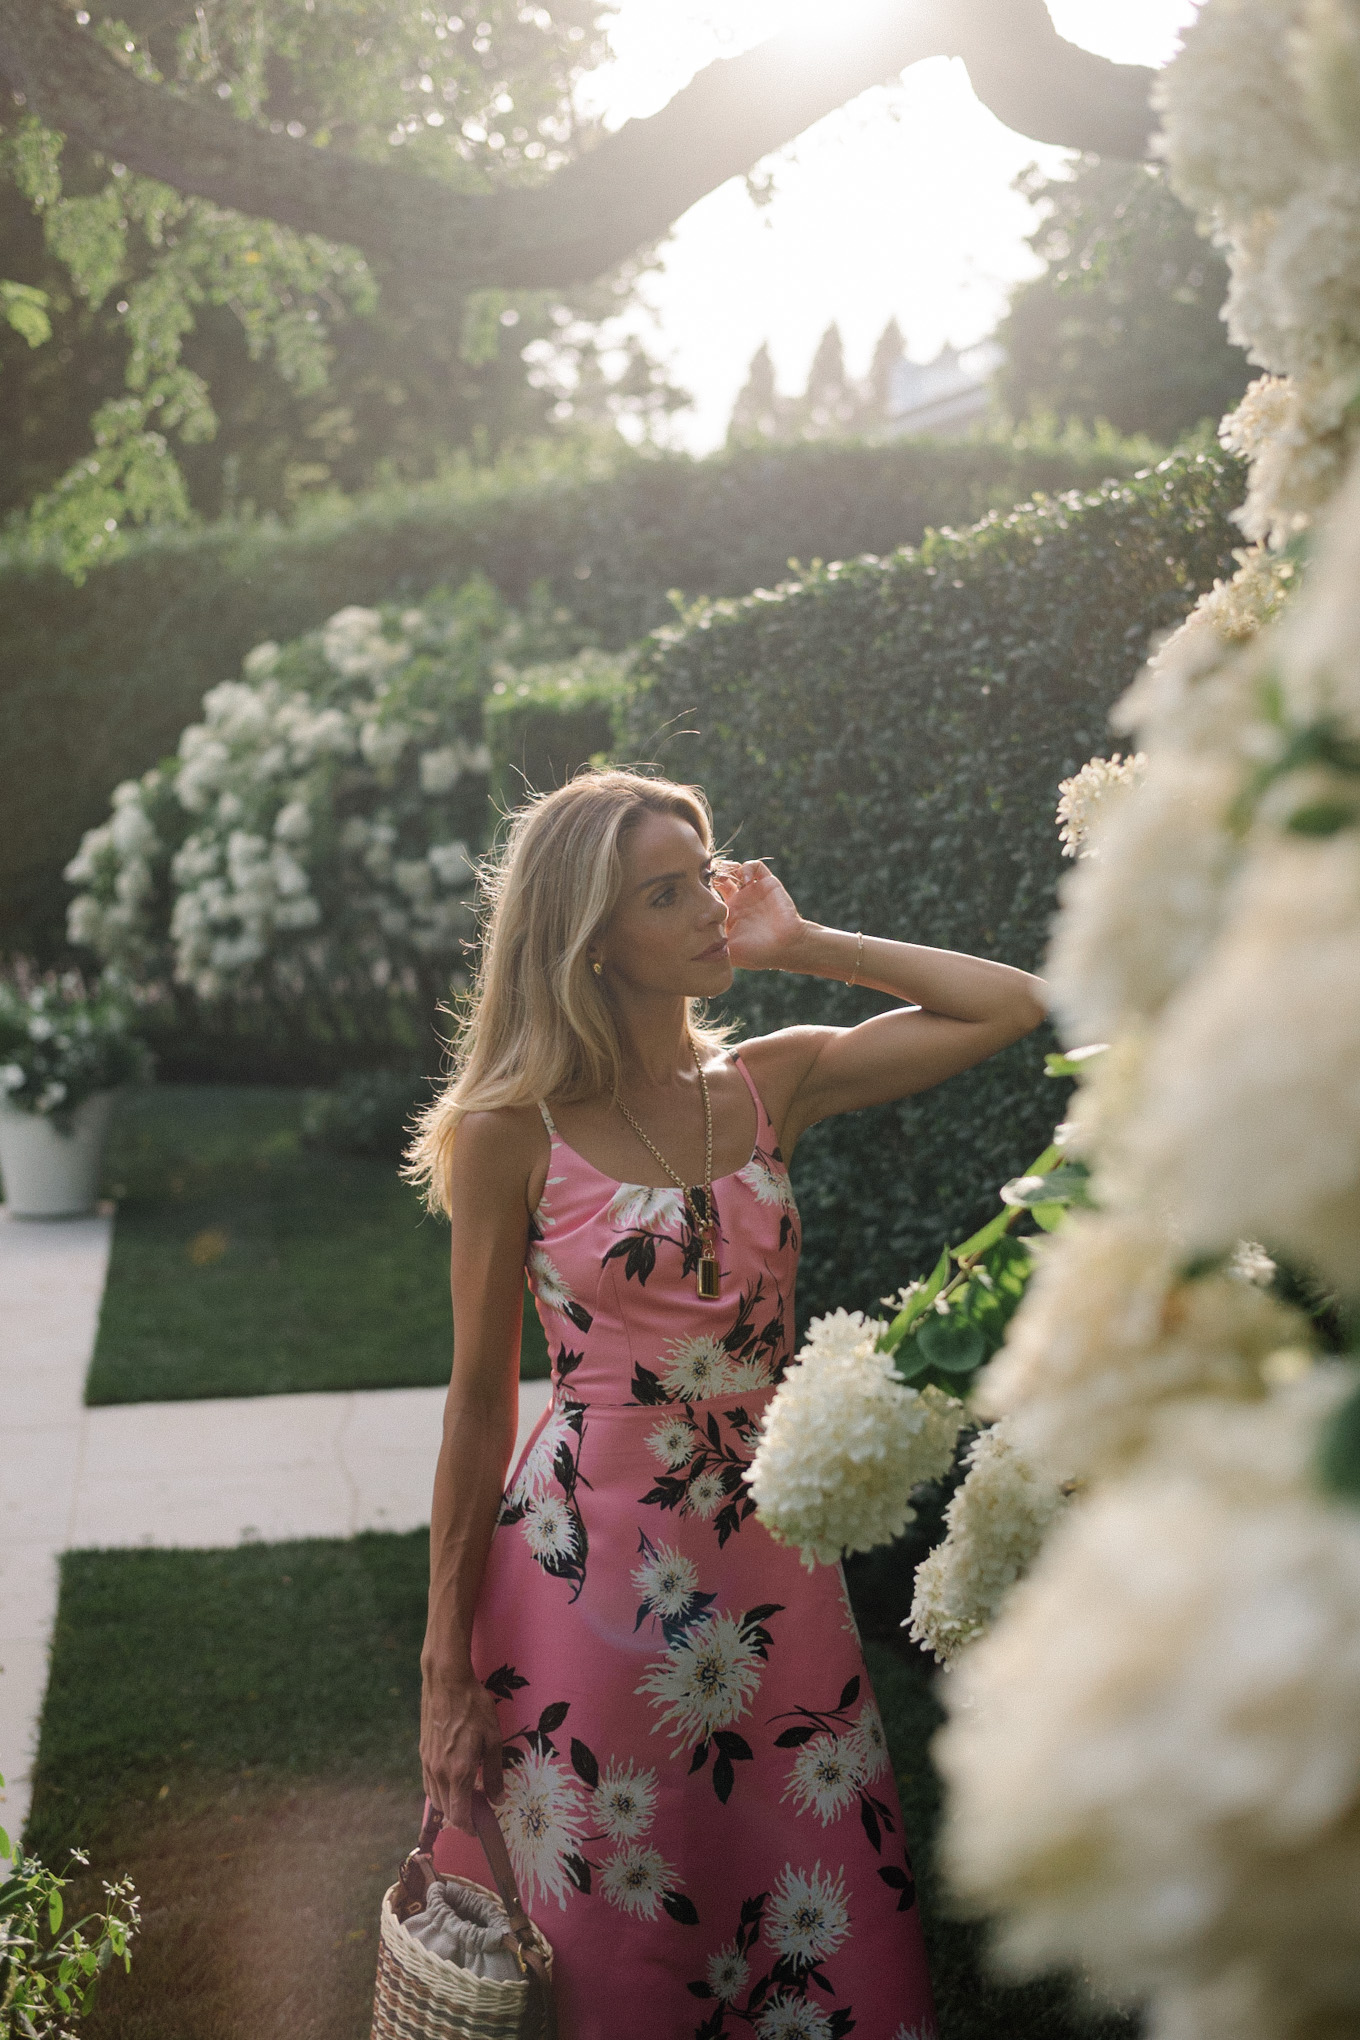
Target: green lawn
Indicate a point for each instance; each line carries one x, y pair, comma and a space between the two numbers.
247, 1263
238, 1728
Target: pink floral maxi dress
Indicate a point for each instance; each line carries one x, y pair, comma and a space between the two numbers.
699, 1802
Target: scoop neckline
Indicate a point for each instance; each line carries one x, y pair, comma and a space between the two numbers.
654, 1189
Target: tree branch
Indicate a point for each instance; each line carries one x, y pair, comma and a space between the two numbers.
617, 197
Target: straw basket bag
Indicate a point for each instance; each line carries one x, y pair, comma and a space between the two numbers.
421, 1995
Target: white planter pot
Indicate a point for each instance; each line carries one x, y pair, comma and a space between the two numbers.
48, 1174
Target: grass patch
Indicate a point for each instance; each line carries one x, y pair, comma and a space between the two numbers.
170, 1667
237, 1729
246, 1262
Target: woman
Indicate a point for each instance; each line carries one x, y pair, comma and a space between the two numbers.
674, 1717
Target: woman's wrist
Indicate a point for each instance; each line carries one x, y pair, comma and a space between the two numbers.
449, 1669
820, 952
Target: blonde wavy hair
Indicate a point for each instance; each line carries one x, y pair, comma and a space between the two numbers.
537, 1023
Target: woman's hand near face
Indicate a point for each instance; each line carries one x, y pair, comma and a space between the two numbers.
764, 927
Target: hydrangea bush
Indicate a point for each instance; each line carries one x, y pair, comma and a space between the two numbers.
309, 851
62, 1040
1151, 1580
1153, 1757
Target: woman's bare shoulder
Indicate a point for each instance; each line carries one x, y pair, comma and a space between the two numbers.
499, 1147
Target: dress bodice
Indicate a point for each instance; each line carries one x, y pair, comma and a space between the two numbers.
612, 1267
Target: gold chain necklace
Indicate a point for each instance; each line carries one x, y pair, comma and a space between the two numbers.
705, 1222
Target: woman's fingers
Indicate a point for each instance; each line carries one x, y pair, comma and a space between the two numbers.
734, 873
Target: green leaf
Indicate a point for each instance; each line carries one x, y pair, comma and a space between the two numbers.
952, 1344
1323, 818
1338, 1456
1049, 1216
979, 1242
920, 1301
25, 309
912, 1361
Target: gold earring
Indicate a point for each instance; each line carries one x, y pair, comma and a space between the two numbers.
598, 969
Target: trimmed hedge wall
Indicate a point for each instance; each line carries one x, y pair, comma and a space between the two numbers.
97, 682
890, 734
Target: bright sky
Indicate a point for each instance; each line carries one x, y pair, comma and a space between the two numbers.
899, 204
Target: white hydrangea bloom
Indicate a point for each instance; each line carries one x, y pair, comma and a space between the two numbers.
844, 1442
355, 646
1318, 663
1237, 132
1154, 1757
260, 663
355, 904
1325, 64
1109, 1330
382, 741
996, 1524
1089, 794
1255, 1129
293, 822
1297, 435
1113, 962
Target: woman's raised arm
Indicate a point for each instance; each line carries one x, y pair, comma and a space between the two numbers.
960, 1010
493, 1159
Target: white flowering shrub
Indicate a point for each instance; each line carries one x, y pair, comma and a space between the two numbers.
996, 1523
61, 1041
1263, 141
845, 1441
1153, 1760
1153, 1754
1089, 794
309, 851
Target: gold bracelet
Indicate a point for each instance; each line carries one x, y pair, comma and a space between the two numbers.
853, 978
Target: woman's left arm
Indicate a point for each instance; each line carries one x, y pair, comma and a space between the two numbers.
960, 1009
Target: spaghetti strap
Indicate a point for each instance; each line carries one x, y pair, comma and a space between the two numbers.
547, 1120
762, 1116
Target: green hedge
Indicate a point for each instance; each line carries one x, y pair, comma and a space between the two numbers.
549, 720
96, 682
890, 734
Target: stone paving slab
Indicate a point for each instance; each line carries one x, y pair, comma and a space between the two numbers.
185, 1475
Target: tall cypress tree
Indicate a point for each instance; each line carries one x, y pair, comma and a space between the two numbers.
756, 412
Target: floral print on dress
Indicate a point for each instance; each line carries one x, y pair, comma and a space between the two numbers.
555, 1810
750, 1355
707, 1679
839, 1757
542, 1497
705, 1458
766, 1974
552, 1291
636, 1207
767, 1176
649, 1644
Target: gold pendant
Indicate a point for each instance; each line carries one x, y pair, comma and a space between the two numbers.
708, 1276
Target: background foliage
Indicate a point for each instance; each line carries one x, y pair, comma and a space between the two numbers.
97, 681
165, 355
1124, 322
890, 734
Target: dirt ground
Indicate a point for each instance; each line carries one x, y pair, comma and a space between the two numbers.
259, 1913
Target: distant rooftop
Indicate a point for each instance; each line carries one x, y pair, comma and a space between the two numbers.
944, 396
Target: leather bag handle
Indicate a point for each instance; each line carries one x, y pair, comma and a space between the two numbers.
503, 1876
